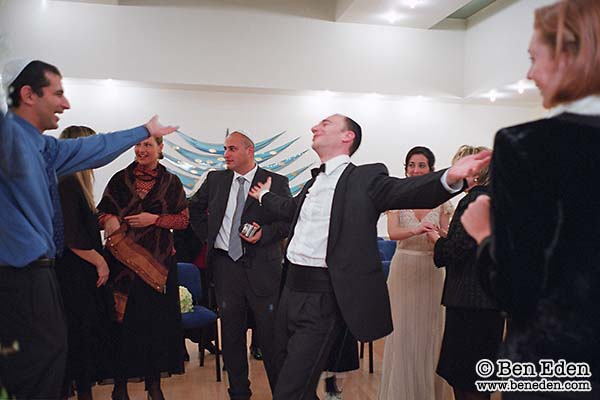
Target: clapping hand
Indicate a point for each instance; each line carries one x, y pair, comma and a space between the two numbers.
437, 233
256, 190
424, 227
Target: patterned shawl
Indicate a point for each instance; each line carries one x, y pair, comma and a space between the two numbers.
166, 197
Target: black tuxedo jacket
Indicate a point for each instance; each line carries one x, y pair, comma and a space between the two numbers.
361, 195
207, 209
543, 259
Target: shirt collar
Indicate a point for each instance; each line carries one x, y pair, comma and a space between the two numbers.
334, 163
32, 132
249, 175
589, 105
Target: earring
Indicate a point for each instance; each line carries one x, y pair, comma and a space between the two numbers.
475, 180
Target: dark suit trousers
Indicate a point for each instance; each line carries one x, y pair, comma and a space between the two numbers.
307, 324
31, 313
235, 297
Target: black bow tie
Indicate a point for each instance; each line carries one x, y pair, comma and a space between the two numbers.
317, 171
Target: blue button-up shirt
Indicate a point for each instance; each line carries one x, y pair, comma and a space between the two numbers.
26, 210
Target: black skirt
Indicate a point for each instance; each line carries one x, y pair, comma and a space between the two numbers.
149, 341
87, 310
469, 336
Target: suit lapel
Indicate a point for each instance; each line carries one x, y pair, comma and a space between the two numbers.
337, 207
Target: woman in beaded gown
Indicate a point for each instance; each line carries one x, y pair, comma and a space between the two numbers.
415, 287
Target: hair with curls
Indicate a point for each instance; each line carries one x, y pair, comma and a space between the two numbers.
483, 177
423, 151
85, 177
572, 28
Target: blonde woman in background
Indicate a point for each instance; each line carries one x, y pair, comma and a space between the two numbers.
415, 286
82, 273
474, 325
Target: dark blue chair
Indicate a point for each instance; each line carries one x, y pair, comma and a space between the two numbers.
386, 252
195, 322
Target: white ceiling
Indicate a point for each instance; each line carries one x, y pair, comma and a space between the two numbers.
423, 14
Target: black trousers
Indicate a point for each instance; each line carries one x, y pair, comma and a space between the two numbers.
235, 298
31, 314
307, 325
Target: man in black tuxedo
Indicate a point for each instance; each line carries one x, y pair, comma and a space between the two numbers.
334, 274
246, 271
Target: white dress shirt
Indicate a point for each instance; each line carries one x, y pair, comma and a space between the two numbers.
222, 240
309, 243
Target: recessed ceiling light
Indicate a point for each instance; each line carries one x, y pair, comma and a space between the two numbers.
391, 17
325, 93
493, 95
372, 96
413, 3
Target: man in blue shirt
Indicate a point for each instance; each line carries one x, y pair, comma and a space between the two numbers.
32, 326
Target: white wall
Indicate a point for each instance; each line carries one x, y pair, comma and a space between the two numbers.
496, 45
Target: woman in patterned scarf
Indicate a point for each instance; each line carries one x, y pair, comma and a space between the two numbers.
140, 206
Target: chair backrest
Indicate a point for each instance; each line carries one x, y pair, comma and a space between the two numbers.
189, 276
386, 249
386, 268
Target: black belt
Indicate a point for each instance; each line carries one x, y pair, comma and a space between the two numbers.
303, 278
39, 263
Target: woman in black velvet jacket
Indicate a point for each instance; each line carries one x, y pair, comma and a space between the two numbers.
474, 325
541, 250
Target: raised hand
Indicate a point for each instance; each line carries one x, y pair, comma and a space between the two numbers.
256, 190
157, 129
468, 166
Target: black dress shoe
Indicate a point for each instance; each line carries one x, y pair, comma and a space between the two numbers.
210, 347
157, 396
256, 352
119, 396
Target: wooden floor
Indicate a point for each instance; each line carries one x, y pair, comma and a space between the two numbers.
199, 383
